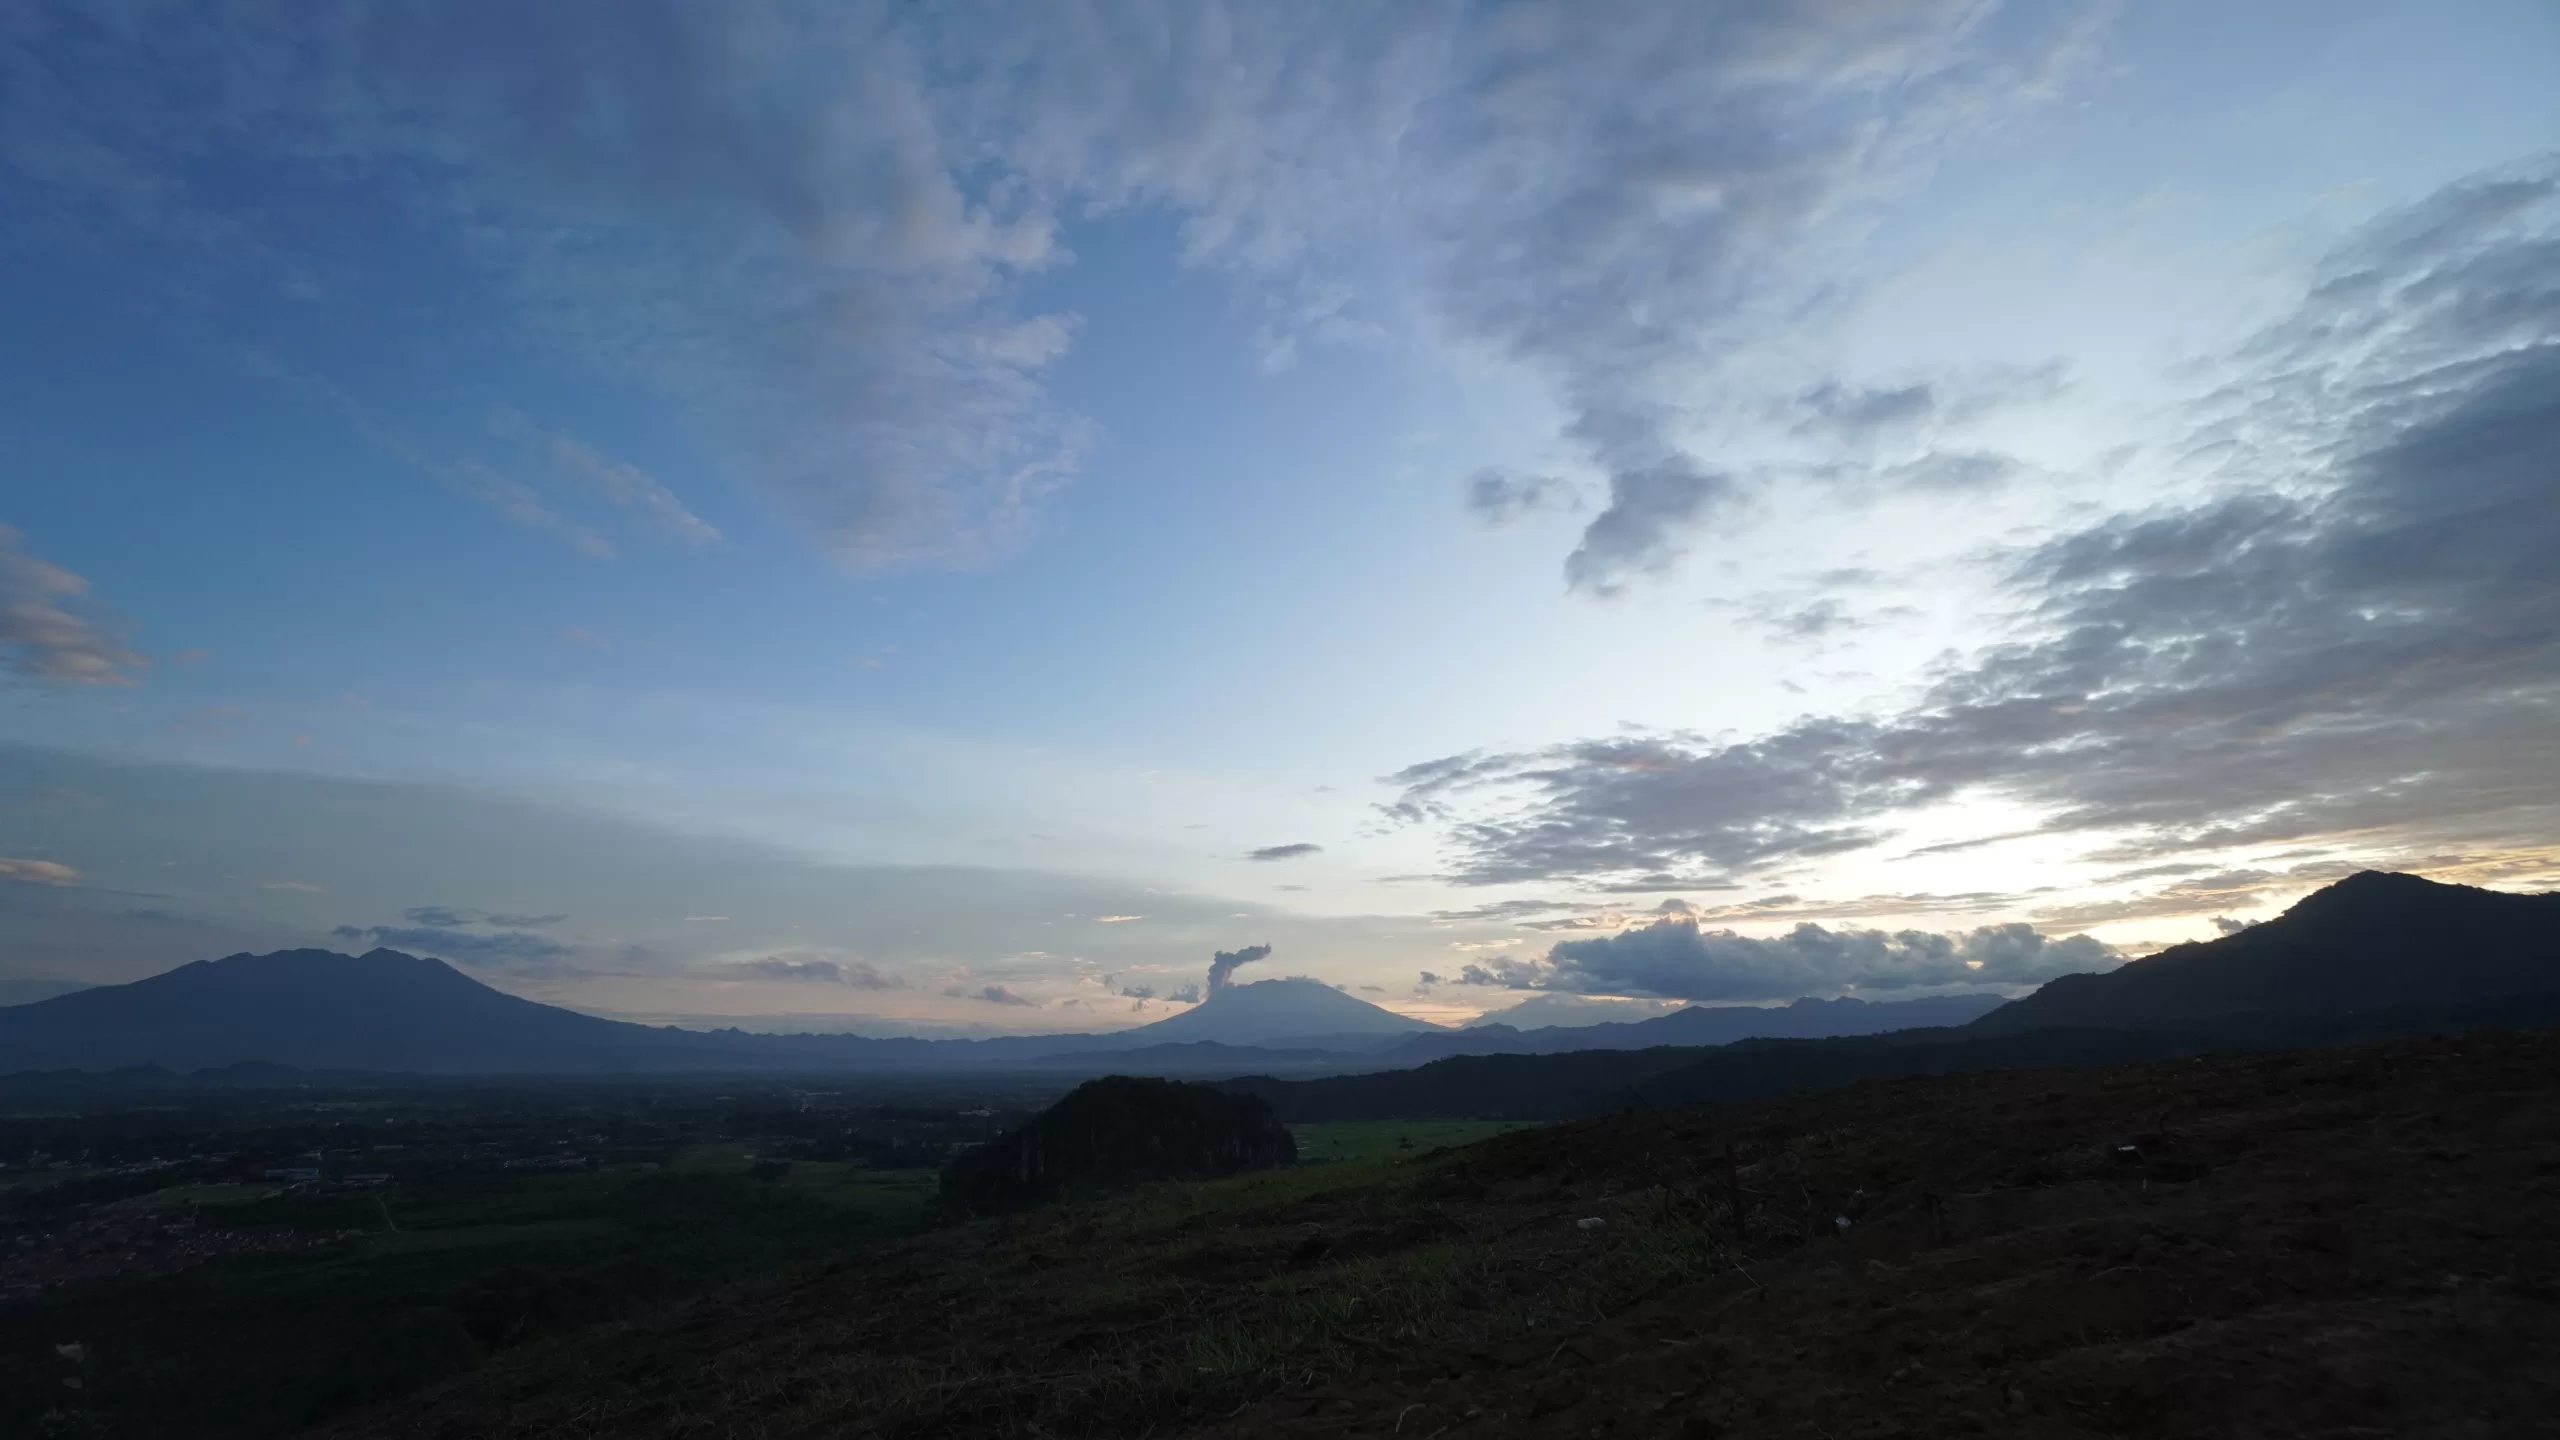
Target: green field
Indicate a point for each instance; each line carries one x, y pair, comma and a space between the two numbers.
361, 1294
419, 1279
1339, 1140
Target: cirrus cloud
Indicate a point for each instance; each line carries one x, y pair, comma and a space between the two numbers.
814, 229
37, 872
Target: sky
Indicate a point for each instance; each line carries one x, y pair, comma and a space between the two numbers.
938, 519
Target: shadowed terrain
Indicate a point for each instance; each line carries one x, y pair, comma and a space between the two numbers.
1115, 1131
2347, 1241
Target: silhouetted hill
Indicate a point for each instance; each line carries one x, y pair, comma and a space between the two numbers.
316, 1009
1597, 1082
1115, 1131
2372, 957
2369, 941
388, 1011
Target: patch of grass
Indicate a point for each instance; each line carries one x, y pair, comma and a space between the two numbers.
178, 1197
1330, 1142
1173, 1202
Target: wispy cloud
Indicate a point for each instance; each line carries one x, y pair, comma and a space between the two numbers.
990, 994
1298, 851
37, 872
622, 484
450, 917
861, 975
1498, 497
505, 948
40, 637
814, 234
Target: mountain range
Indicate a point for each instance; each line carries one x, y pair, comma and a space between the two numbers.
389, 1011
2375, 956
2368, 943
1705, 1025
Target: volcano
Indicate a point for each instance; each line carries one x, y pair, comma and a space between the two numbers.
1270, 1010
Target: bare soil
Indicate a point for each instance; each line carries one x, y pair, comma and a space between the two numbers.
2358, 1242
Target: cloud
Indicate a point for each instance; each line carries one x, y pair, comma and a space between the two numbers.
1285, 852
503, 947
1859, 412
447, 917
1650, 507
991, 994
1225, 963
769, 219
1813, 620
626, 486
814, 232
1505, 910
1498, 497
2356, 635
1138, 992
37, 872
1868, 418
861, 975
1675, 959
1185, 994
1953, 471
39, 638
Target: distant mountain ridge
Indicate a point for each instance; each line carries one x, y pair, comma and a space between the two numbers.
2369, 943
2372, 940
1804, 1019
390, 1011
2375, 956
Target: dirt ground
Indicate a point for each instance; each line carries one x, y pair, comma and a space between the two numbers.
2338, 1243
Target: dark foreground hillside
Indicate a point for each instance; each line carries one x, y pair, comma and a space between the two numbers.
2342, 1242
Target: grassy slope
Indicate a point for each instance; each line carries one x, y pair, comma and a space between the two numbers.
2297, 1245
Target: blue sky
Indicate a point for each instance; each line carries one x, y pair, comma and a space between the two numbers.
913, 483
